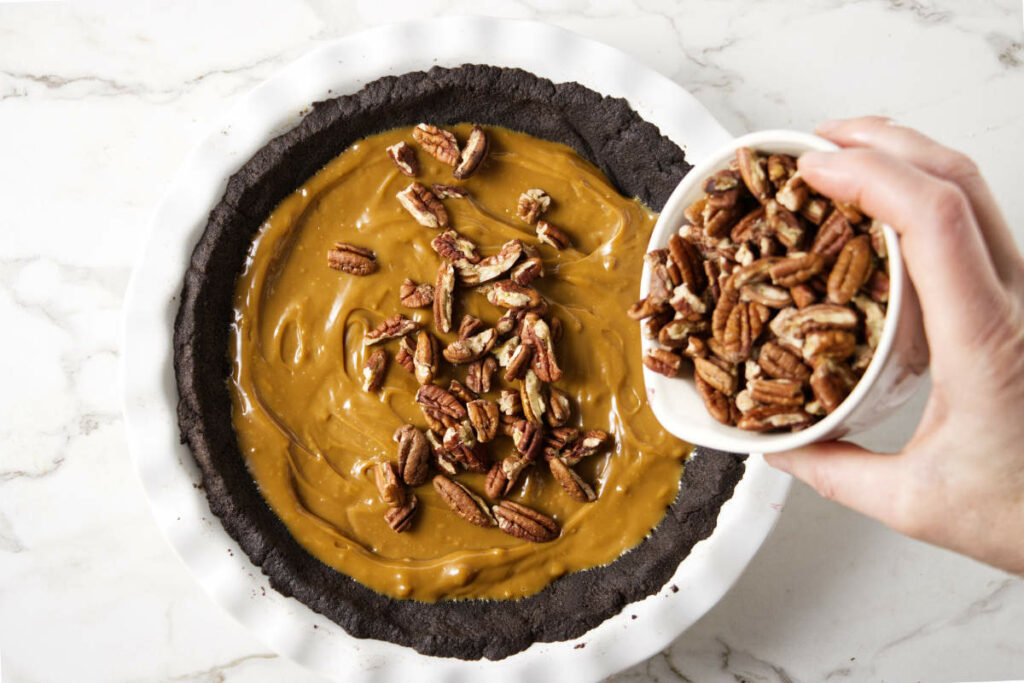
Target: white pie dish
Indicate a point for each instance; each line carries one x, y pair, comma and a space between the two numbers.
166, 467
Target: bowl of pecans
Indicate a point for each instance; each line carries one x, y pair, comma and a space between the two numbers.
772, 316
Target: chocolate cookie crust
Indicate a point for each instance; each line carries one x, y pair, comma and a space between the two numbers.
637, 160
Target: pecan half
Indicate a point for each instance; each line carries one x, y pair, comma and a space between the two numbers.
442, 191
413, 455
457, 435
781, 363
425, 358
663, 362
440, 401
423, 205
831, 383
781, 392
719, 374
676, 334
405, 355
525, 523
796, 269
784, 224
834, 344
537, 335
527, 271
462, 351
688, 261
389, 486
851, 271
559, 407
351, 259
832, 236
766, 295
444, 287
461, 391
400, 518
519, 362
373, 370
472, 154
651, 327
825, 317
558, 440
549, 234
412, 295
502, 476
438, 142
753, 170
484, 417
752, 226
491, 267
528, 439
508, 294
742, 329
874, 319
391, 328
454, 248
571, 482
767, 418
718, 404
463, 502
480, 374
878, 286
404, 157
532, 204
534, 398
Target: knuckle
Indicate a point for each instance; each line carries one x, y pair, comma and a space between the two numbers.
823, 481
949, 206
956, 166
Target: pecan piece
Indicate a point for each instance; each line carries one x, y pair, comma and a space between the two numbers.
558, 440
438, 142
423, 205
825, 317
874, 319
718, 404
444, 288
484, 417
781, 392
803, 295
753, 170
877, 235
537, 335
815, 209
462, 351
766, 295
457, 435
689, 263
878, 286
559, 407
491, 267
400, 518
373, 370
688, 305
510, 403
831, 383
528, 438
781, 363
651, 327
532, 204
412, 295
480, 374
645, 308
454, 248
442, 191
519, 362
589, 443
425, 358
461, 392
719, 374
781, 168
571, 482
439, 401
663, 362
676, 334
832, 236
390, 488
463, 502
404, 157
527, 271
351, 259
502, 476
406, 354
851, 271
751, 227
549, 234
784, 224
534, 398
508, 294
525, 523
391, 328
795, 270
755, 271
834, 344
470, 326
767, 418
413, 455
695, 212
794, 193
472, 154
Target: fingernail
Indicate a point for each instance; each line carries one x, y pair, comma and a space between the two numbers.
777, 460
814, 158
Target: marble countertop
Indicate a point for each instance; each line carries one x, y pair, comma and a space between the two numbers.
99, 107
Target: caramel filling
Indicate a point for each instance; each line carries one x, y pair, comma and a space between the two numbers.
311, 435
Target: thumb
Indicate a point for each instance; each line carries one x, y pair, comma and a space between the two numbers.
860, 479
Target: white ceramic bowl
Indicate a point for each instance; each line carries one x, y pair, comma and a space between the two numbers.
897, 368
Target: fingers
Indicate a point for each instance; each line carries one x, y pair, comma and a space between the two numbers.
921, 151
940, 241
850, 475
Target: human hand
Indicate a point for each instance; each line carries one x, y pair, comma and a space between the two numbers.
959, 482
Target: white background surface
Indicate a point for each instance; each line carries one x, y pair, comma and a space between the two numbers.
98, 108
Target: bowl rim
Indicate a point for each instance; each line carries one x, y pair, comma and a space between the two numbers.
711, 433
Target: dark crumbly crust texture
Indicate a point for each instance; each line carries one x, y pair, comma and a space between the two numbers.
635, 157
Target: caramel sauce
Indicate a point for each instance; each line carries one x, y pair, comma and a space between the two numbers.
310, 435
